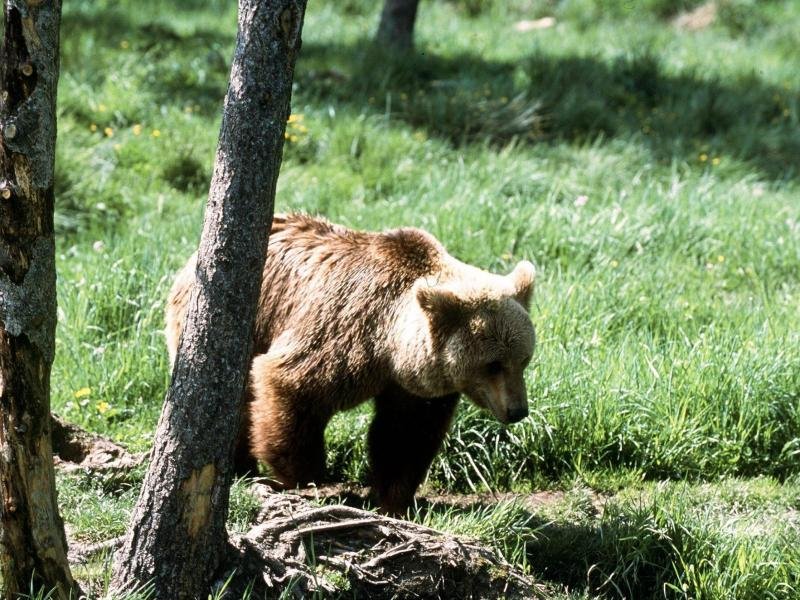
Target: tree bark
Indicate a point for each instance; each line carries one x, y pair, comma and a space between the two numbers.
396, 29
177, 536
33, 548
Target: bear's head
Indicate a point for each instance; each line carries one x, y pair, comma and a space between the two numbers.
482, 337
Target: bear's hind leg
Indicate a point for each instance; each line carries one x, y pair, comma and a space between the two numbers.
287, 430
404, 437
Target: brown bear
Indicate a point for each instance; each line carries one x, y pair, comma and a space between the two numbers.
345, 316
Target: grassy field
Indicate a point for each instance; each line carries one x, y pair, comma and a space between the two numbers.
650, 172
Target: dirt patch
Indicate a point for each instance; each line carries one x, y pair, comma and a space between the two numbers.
533, 25
695, 20
352, 494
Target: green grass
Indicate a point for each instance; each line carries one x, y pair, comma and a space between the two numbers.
734, 539
650, 173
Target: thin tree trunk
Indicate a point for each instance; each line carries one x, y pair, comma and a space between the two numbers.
177, 536
396, 29
33, 549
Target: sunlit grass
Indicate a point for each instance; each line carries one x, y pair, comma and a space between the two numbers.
649, 172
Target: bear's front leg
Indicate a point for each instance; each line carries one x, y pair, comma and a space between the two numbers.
244, 463
405, 435
287, 429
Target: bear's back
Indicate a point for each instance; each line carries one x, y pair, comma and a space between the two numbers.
329, 284
324, 282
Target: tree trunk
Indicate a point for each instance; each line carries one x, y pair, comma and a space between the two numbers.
177, 536
33, 548
396, 29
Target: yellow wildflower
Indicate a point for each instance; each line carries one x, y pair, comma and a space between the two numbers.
103, 406
137, 129
156, 133
109, 132
93, 127
124, 44
295, 118
102, 107
720, 259
83, 392
715, 161
614, 264
703, 157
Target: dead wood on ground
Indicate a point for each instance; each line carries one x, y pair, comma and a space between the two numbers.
75, 449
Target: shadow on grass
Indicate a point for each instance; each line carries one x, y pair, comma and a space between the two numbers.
621, 553
616, 556
108, 25
186, 68
467, 98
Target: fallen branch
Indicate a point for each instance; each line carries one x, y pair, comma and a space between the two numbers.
80, 553
75, 449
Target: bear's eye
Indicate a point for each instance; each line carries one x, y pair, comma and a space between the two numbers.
494, 368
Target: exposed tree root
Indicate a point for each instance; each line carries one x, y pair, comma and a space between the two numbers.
338, 549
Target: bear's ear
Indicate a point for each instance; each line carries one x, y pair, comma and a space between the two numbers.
444, 309
522, 277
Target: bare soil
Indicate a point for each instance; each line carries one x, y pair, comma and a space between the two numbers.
355, 495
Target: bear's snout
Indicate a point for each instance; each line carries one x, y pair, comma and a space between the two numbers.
516, 413
503, 395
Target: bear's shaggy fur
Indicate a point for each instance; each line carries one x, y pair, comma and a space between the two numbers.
345, 316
